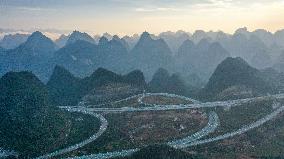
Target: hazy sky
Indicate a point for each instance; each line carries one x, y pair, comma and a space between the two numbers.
134, 16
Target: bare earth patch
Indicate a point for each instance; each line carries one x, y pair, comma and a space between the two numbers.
156, 127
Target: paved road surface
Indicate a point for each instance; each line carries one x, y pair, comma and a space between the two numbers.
102, 129
181, 143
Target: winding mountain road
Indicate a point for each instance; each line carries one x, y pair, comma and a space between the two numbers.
191, 140
156, 107
241, 130
102, 129
211, 126
7, 153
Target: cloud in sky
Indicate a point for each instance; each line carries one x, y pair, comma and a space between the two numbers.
130, 16
157, 9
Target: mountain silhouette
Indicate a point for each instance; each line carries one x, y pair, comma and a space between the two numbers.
33, 55
174, 39
12, 41
236, 72
63, 87
66, 89
163, 82
62, 40
148, 55
76, 35
201, 59
82, 57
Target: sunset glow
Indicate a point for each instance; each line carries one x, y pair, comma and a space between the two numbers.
129, 17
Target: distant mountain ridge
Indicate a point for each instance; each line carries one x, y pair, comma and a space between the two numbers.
12, 41
175, 39
82, 57
32, 55
148, 53
76, 35
39, 45
201, 59
62, 40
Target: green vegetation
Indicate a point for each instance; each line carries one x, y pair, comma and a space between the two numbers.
139, 129
162, 152
265, 142
236, 72
234, 118
29, 125
65, 89
164, 82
